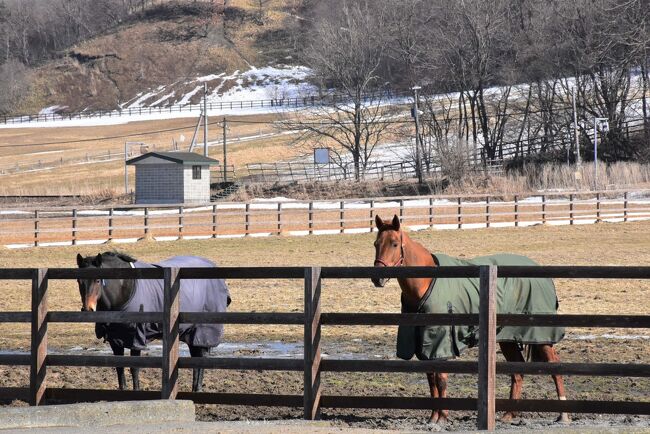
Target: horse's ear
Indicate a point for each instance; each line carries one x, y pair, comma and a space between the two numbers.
80, 260
378, 221
98, 260
395, 222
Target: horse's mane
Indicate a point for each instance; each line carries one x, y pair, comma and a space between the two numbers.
119, 255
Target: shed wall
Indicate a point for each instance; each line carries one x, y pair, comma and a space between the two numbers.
159, 183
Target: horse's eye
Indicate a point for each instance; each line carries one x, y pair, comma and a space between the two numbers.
394, 244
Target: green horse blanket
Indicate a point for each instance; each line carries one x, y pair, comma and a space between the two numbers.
461, 295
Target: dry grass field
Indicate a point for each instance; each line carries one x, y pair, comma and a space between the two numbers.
29, 146
600, 244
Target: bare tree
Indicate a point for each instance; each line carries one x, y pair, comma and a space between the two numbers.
346, 52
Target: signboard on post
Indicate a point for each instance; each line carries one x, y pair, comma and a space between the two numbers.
321, 155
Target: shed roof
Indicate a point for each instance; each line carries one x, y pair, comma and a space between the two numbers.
176, 157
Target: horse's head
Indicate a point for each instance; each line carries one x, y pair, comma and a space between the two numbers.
389, 246
94, 292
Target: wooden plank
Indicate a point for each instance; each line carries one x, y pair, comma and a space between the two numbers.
342, 216
104, 361
16, 273
103, 273
574, 406
247, 220
171, 342
242, 317
107, 316
397, 402
369, 272
279, 232
12, 393
242, 363
310, 218
312, 350
625, 207
110, 224
414, 319
250, 399
15, 359
38, 369
619, 321
487, 211
487, 348
92, 395
15, 317
571, 209
516, 210
585, 369
543, 209
460, 213
454, 367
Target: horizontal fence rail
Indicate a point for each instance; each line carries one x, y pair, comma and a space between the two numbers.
39, 226
312, 319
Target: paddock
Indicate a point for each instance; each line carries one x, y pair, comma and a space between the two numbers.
543, 243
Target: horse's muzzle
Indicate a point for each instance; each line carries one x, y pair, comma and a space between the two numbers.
379, 282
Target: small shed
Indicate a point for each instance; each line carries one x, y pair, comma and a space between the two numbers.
172, 177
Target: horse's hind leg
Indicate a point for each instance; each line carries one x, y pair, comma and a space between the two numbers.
119, 351
135, 372
548, 354
197, 374
511, 352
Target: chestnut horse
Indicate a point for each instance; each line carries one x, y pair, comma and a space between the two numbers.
394, 248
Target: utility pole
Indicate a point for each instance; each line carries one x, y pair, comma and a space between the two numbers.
575, 127
205, 119
225, 160
418, 162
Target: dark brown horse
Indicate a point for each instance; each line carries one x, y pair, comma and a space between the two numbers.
395, 248
146, 295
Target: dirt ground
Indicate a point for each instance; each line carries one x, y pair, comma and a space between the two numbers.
600, 244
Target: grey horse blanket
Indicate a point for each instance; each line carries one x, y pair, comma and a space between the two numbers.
461, 295
196, 295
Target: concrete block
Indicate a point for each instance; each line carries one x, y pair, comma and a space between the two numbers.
97, 414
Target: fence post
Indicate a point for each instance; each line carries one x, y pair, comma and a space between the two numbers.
279, 218
38, 368
181, 214
74, 227
460, 215
625, 206
430, 212
487, 211
247, 219
516, 210
372, 215
598, 208
146, 221
342, 216
36, 223
401, 210
310, 218
570, 209
170, 333
487, 347
543, 209
214, 221
110, 224
312, 348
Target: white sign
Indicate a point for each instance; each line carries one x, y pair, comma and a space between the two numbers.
321, 155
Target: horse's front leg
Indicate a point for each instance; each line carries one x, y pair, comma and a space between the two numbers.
441, 385
434, 394
197, 374
512, 353
119, 351
135, 372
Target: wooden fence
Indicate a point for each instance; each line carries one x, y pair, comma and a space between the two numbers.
312, 318
46, 225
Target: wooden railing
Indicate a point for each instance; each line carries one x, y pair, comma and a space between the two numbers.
312, 318
29, 226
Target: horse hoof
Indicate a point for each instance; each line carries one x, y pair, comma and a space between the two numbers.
563, 419
508, 417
